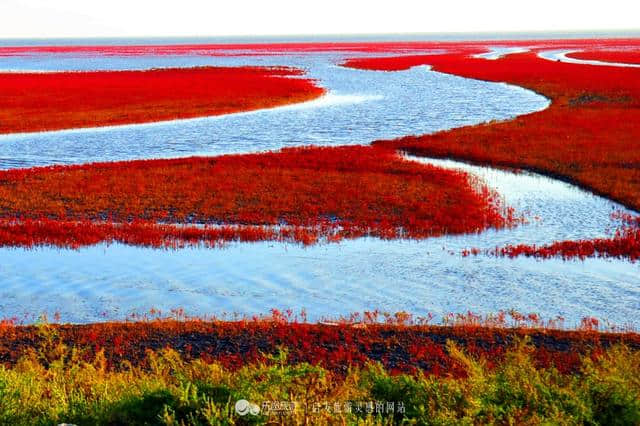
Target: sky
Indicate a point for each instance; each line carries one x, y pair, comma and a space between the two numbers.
138, 18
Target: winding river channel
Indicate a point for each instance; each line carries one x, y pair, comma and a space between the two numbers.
420, 277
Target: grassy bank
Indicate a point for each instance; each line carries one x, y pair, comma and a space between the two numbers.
56, 383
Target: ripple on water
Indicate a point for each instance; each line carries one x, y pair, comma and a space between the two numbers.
326, 280
363, 274
361, 106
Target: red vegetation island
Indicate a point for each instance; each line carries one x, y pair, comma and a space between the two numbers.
298, 194
399, 342
625, 244
244, 49
32, 102
617, 56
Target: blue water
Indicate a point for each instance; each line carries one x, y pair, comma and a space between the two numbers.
361, 106
327, 280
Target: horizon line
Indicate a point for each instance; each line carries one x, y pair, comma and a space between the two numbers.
585, 33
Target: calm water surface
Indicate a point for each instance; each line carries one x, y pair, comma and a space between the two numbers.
326, 280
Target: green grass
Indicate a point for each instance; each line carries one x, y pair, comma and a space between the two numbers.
56, 384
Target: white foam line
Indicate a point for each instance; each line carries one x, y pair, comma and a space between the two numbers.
33, 71
499, 52
426, 67
561, 55
326, 100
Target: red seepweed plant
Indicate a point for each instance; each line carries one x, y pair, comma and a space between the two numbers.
625, 244
301, 195
589, 136
627, 56
401, 342
243, 49
34, 102
312, 194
